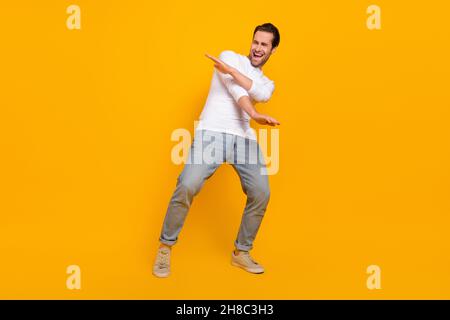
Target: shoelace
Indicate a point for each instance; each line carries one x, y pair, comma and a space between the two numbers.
163, 259
247, 256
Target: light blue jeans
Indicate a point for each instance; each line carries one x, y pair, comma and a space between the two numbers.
208, 151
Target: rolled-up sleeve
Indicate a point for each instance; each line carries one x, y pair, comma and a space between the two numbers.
236, 91
261, 90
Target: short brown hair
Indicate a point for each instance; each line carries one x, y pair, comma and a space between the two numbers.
268, 27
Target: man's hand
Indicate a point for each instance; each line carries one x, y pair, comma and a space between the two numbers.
265, 119
220, 65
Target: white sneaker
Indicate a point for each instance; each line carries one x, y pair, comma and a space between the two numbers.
245, 261
161, 267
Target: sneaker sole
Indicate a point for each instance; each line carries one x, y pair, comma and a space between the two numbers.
246, 269
161, 275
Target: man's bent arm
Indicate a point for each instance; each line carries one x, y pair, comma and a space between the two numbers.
245, 104
259, 92
242, 80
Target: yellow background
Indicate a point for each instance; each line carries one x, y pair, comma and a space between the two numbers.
86, 176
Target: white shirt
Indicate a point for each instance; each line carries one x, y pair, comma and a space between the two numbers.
221, 111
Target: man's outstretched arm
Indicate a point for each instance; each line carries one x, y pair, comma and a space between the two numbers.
260, 92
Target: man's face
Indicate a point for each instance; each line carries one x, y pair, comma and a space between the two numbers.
261, 48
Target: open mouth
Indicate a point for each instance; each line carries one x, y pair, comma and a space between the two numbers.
257, 56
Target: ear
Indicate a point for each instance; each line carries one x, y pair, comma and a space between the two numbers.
273, 50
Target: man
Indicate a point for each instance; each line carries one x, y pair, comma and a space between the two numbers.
238, 82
